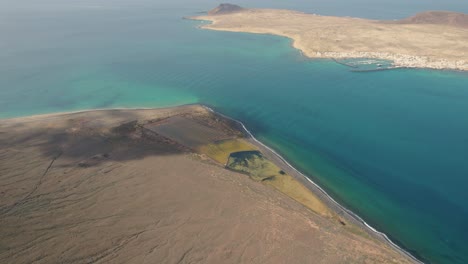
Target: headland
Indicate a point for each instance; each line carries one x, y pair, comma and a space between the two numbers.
182, 184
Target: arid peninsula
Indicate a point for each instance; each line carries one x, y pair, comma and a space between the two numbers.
436, 39
174, 185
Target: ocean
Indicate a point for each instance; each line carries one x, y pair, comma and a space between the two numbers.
392, 146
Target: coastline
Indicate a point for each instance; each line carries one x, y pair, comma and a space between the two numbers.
310, 49
270, 153
57, 114
280, 161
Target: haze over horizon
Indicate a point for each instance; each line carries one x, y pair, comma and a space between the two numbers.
382, 9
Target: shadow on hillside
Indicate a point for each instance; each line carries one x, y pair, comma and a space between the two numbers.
88, 141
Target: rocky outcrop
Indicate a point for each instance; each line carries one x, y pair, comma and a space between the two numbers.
225, 9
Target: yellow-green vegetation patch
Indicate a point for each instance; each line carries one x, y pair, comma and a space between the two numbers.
261, 169
220, 150
294, 189
254, 164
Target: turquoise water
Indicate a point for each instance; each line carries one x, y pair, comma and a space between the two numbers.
390, 145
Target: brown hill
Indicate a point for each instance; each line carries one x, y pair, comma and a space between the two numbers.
439, 18
225, 9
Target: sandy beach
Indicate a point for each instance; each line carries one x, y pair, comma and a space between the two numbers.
152, 185
432, 40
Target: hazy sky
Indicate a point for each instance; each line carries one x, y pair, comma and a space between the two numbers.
368, 8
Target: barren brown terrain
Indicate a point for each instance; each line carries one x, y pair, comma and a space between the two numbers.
436, 40
446, 18
117, 186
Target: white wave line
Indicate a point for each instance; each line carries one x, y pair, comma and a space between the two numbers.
320, 188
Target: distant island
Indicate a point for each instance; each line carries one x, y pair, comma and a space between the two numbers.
435, 39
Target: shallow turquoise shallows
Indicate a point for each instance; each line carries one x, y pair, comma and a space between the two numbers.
391, 145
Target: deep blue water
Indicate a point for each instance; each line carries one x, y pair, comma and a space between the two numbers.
390, 145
